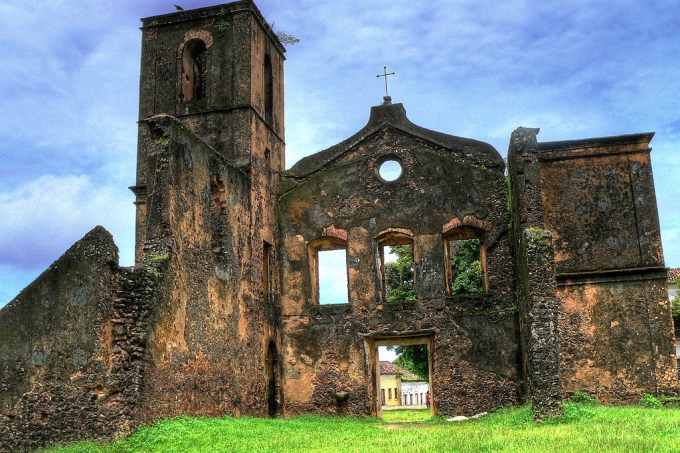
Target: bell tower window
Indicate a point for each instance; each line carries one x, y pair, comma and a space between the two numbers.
268, 89
194, 71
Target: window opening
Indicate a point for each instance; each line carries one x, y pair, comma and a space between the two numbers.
194, 71
267, 158
397, 267
328, 259
466, 257
272, 370
390, 170
268, 89
218, 217
267, 271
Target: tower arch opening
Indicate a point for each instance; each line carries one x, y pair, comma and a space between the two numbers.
194, 71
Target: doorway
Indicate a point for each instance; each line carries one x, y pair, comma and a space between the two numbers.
402, 367
272, 370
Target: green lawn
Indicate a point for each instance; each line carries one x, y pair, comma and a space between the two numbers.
584, 429
406, 415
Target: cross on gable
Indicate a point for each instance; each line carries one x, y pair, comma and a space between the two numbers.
385, 74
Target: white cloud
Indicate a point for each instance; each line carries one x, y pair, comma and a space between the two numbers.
45, 216
472, 68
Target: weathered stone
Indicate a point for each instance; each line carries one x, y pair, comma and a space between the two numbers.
221, 313
458, 418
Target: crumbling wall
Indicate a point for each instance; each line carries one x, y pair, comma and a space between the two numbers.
210, 332
72, 345
207, 180
535, 277
616, 333
446, 182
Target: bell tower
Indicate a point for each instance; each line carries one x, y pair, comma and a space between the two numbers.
219, 71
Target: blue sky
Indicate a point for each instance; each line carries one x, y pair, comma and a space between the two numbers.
473, 68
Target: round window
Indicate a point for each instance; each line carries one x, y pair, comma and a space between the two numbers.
390, 170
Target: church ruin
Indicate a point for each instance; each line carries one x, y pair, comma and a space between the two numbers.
221, 314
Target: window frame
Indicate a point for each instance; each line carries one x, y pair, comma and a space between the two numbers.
388, 239
462, 233
324, 244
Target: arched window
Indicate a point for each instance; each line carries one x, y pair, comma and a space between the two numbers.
397, 269
328, 269
194, 71
466, 261
268, 89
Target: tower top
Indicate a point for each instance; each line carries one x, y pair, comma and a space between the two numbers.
225, 10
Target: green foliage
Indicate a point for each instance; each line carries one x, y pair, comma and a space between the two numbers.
600, 429
675, 306
576, 412
399, 275
670, 401
584, 399
649, 401
412, 358
466, 267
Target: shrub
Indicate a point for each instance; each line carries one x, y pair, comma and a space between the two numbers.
670, 401
649, 401
584, 399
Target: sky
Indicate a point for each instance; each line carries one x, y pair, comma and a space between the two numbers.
69, 83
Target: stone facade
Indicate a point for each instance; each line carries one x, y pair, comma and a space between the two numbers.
221, 313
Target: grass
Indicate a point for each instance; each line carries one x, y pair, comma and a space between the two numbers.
583, 429
406, 415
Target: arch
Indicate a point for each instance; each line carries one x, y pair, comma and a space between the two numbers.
467, 221
268, 89
194, 71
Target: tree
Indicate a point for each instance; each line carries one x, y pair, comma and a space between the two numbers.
285, 38
399, 275
412, 358
675, 306
466, 267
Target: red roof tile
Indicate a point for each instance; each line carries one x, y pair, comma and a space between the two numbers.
387, 368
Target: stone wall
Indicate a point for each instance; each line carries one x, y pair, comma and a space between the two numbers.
207, 180
72, 348
337, 195
535, 277
212, 327
616, 335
